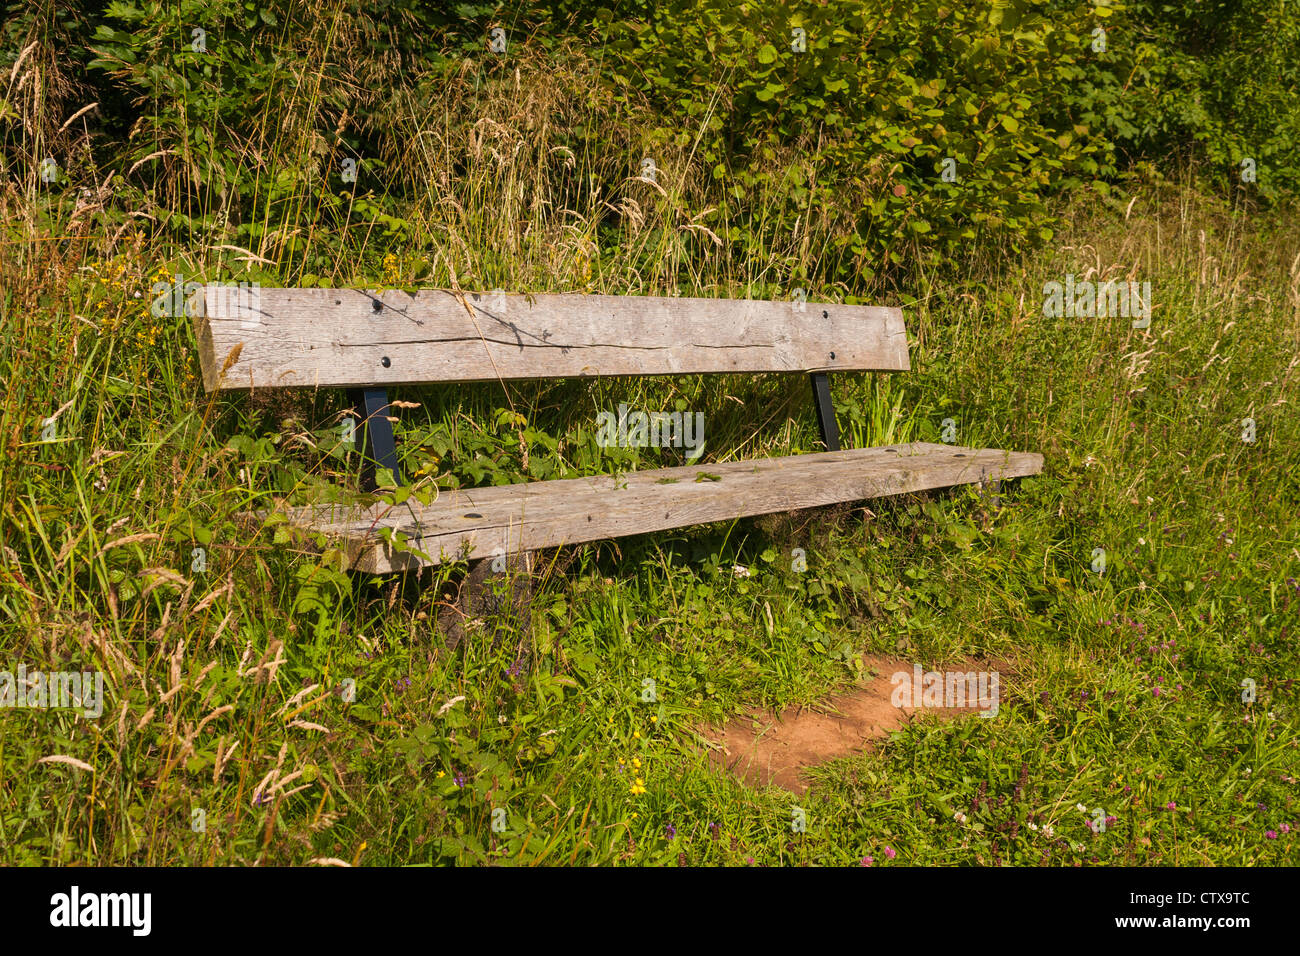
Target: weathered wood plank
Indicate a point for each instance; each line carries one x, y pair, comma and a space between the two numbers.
350, 337
512, 518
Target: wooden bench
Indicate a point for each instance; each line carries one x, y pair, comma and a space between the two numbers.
367, 341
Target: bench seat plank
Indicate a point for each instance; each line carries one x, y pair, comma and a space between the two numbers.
356, 337
476, 522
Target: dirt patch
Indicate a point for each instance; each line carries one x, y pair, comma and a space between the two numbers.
766, 749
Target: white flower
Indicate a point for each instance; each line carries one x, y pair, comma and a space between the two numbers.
1034, 827
1047, 830
1081, 808
959, 817
740, 572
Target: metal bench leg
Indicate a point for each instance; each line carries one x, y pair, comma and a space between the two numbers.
990, 490
378, 448
821, 383
503, 595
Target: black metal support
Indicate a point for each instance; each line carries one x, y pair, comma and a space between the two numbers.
377, 448
990, 490
821, 383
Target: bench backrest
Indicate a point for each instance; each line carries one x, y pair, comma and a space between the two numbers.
354, 337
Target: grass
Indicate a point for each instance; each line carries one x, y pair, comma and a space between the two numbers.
265, 706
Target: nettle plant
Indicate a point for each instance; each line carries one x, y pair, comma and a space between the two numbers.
900, 132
